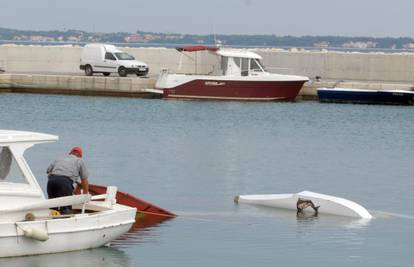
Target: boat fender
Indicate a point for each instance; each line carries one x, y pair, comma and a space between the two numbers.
36, 234
54, 213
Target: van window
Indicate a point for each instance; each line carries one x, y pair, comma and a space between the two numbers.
109, 56
124, 56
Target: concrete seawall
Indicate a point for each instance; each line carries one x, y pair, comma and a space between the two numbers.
133, 87
55, 69
75, 85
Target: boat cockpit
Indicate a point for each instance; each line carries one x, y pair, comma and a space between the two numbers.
238, 66
231, 62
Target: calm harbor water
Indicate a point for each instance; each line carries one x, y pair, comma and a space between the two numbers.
193, 157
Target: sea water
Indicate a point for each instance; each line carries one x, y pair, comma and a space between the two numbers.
193, 157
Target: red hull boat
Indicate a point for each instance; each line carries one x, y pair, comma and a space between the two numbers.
144, 208
240, 76
236, 90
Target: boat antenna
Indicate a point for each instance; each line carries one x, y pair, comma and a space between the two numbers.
216, 42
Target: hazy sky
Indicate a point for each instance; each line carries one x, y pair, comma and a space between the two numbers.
376, 18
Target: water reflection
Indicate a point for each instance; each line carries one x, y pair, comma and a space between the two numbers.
140, 231
322, 228
307, 219
100, 257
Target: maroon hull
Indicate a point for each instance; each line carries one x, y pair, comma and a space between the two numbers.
236, 90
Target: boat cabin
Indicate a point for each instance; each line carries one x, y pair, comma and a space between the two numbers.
232, 62
17, 182
240, 63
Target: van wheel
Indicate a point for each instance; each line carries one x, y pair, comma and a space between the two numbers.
88, 70
106, 73
122, 72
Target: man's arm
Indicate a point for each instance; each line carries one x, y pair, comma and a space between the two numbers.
83, 173
50, 168
85, 185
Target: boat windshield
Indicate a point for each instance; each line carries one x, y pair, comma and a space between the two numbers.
9, 170
124, 56
256, 65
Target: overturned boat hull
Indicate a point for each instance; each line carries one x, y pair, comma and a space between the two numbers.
328, 204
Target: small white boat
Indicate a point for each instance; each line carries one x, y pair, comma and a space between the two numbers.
27, 226
328, 204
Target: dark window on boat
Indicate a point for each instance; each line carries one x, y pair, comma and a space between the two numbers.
9, 170
109, 56
245, 67
224, 64
254, 65
237, 61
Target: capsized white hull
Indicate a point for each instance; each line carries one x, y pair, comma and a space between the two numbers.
83, 231
328, 204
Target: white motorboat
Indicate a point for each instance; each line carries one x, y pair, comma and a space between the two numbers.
27, 226
239, 75
327, 204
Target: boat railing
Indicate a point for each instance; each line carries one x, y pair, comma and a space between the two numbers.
165, 71
109, 197
50, 203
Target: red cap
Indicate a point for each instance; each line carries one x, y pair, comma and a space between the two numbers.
77, 151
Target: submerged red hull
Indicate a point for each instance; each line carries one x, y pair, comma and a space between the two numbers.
131, 201
236, 90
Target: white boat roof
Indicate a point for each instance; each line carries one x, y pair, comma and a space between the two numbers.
11, 136
238, 53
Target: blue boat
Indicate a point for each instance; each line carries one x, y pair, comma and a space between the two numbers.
366, 96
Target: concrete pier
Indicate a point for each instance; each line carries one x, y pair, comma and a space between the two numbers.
55, 69
75, 85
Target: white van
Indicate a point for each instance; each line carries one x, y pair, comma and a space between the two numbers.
107, 59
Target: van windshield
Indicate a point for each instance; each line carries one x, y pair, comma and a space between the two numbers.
124, 56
